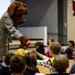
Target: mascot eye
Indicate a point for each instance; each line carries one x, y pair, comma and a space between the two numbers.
20, 15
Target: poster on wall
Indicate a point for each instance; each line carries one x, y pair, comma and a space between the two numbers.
73, 7
3, 6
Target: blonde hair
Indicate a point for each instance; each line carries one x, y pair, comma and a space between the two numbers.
61, 63
21, 52
55, 47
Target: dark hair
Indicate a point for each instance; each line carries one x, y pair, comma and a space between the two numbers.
61, 63
30, 61
40, 44
72, 42
7, 58
17, 64
55, 47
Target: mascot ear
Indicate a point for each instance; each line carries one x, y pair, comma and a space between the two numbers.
14, 5
26, 12
26, 9
11, 8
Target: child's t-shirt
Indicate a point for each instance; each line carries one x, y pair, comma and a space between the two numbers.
47, 53
47, 62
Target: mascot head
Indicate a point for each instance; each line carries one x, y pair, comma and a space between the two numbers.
16, 11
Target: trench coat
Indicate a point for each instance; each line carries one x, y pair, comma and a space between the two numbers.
6, 29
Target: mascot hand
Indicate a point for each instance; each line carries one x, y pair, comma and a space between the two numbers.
24, 41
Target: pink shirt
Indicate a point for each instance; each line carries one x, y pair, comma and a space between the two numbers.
47, 53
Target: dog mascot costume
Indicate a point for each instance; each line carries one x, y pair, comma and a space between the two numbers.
11, 18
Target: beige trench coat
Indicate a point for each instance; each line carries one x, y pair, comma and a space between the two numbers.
6, 29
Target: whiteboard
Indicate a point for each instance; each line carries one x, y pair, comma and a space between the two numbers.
35, 32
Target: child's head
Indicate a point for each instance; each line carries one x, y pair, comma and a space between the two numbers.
21, 52
51, 40
71, 43
31, 61
55, 48
17, 64
61, 63
7, 58
39, 44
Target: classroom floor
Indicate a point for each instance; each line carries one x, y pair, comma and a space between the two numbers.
43, 69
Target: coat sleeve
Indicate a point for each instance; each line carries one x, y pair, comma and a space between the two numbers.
8, 23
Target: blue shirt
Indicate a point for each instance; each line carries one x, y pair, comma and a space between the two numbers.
72, 69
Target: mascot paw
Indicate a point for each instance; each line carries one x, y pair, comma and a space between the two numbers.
24, 41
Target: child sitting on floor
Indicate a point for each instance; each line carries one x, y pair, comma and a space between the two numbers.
68, 51
72, 71
47, 52
40, 48
17, 65
31, 63
61, 63
4, 66
47, 62
21, 52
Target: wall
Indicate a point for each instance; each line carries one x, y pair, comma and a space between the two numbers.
12, 0
70, 21
33, 33
43, 13
3, 6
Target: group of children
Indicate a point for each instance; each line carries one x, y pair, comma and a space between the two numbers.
19, 64
67, 50
58, 64
25, 63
